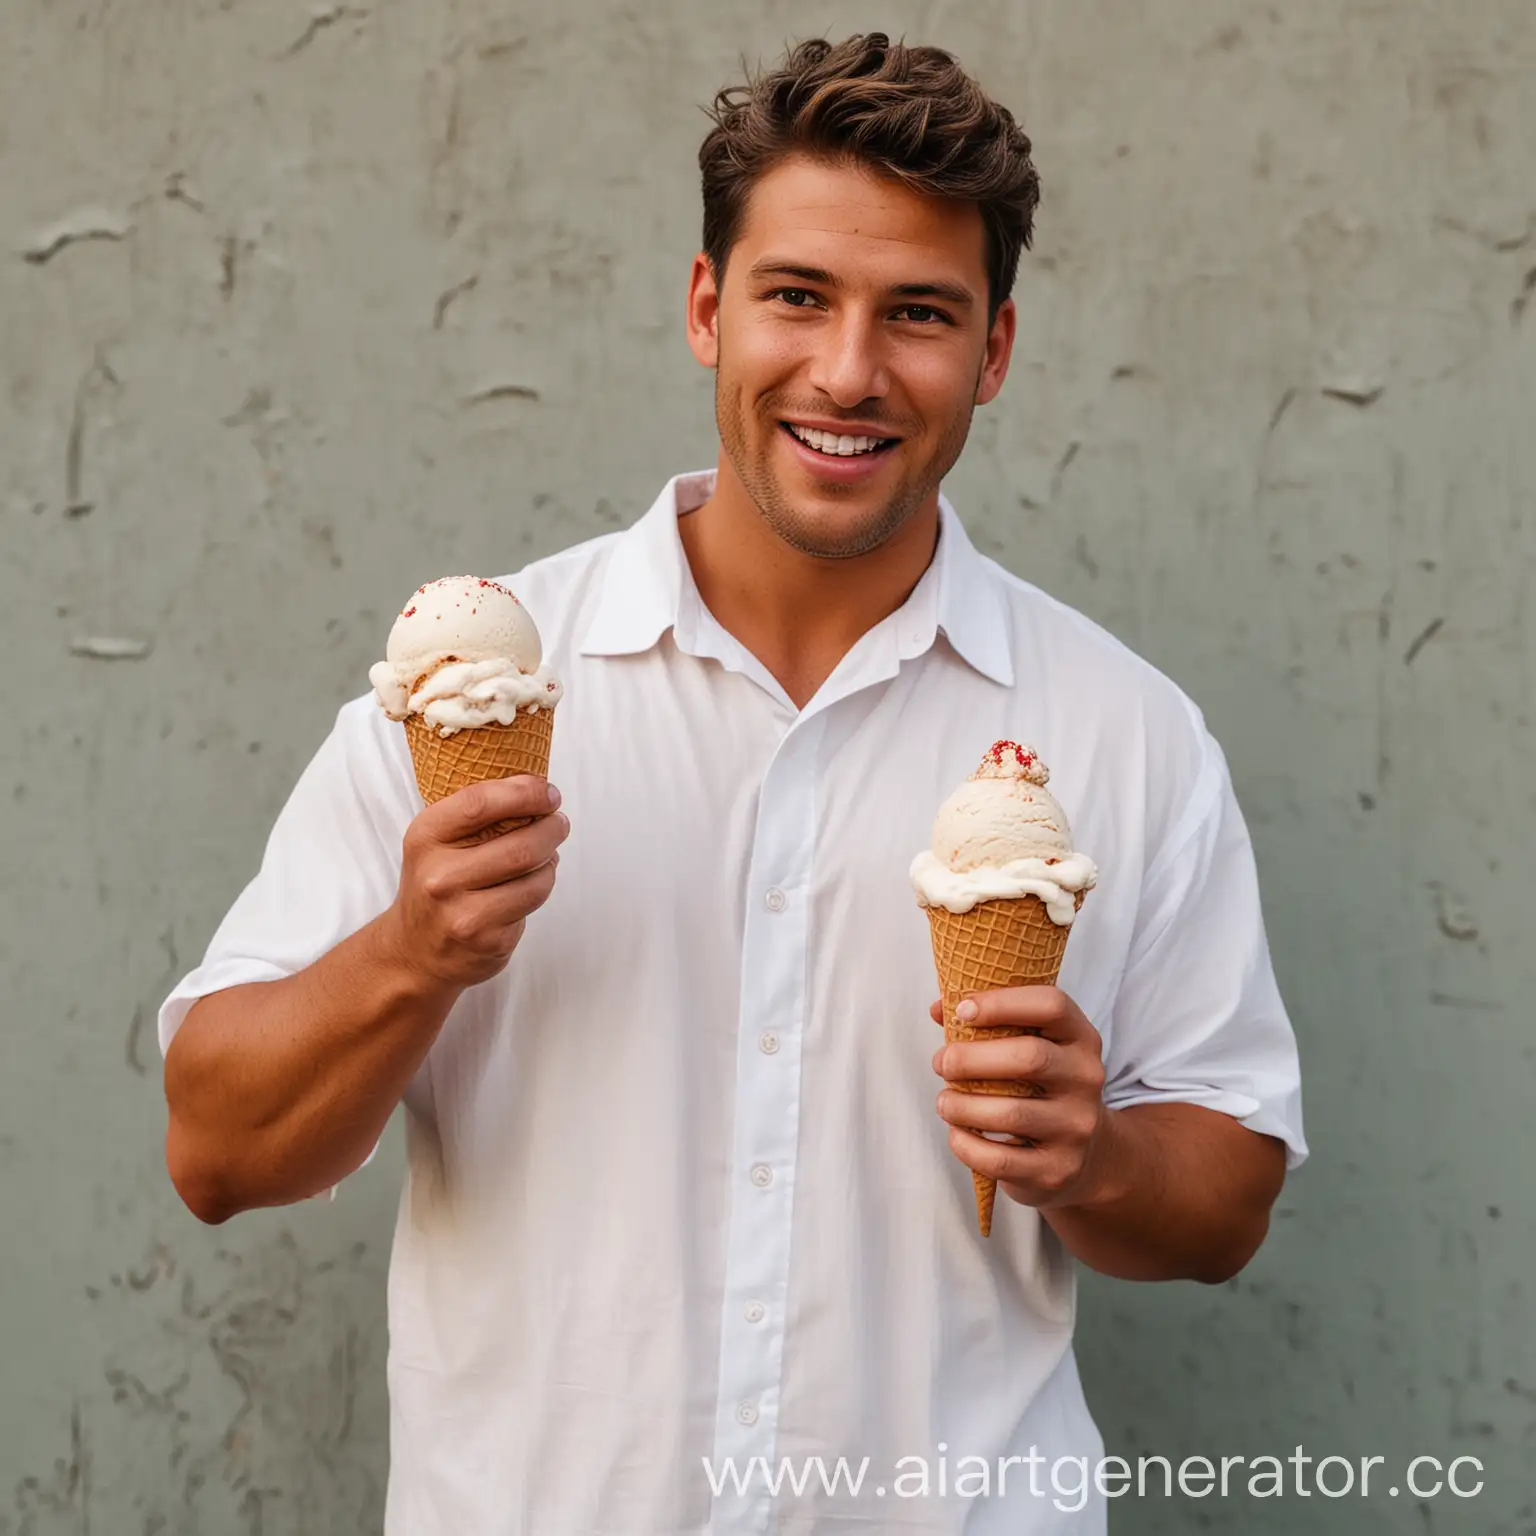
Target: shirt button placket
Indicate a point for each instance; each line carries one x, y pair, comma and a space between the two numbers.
772, 1009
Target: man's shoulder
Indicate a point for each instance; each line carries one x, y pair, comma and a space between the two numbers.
1142, 733
565, 569
563, 591
1049, 634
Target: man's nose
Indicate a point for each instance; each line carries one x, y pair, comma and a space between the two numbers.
849, 366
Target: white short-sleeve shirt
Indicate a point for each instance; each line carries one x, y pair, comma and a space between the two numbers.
678, 1193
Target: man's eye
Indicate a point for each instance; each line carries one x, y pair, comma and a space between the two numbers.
924, 314
796, 298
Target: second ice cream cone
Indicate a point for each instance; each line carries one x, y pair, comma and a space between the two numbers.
1007, 943
1002, 884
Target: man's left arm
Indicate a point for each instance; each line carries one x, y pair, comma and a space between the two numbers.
1166, 1191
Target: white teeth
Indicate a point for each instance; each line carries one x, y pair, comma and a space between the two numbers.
842, 445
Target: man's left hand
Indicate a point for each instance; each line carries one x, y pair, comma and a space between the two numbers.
1058, 1153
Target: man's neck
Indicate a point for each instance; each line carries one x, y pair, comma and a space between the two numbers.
798, 614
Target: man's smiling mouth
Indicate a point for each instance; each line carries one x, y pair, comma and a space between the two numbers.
838, 445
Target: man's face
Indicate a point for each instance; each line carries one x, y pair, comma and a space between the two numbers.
852, 308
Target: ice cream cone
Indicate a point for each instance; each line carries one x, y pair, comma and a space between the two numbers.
448, 763
1006, 943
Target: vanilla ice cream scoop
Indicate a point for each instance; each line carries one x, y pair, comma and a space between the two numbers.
1001, 813
463, 653
1003, 835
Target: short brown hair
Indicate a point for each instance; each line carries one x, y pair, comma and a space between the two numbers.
909, 113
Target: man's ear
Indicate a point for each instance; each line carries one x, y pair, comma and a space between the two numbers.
704, 312
994, 365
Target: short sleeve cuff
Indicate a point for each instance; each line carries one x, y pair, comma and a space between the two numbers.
1246, 1110
216, 976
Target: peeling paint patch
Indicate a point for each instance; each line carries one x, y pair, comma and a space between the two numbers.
319, 20
161, 1266
1287, 400
1476, 1004
1422, 639
111, 648
262, 1328
75, 503
82, 225
68, 1491
1063, 464
1355, 392
135, 1030
229, 249
500, 392
1503, 244
445, 300
1453, 917
129, 1391
74, 452
177, 191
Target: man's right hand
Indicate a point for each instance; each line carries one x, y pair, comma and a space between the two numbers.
460, 909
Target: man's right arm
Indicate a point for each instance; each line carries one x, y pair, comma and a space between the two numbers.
278, 1090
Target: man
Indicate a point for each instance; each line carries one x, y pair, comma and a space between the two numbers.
686, 1187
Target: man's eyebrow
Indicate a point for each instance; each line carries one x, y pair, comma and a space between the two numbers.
951, 293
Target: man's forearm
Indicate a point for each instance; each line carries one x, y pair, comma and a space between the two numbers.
278, 1090
1175, 1192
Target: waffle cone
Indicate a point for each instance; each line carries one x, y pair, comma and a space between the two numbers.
448, 763
1011, 943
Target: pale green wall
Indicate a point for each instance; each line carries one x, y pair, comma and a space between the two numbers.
261, 388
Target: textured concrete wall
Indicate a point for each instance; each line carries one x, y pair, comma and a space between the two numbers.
298, 307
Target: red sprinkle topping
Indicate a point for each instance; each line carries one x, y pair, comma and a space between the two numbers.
409, 612
1000, 749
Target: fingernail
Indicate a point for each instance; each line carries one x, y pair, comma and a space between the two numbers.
554, 797
967, 1010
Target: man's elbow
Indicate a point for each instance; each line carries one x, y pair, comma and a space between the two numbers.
195, 1182
194, 1168
1228, 1262
1244, 1235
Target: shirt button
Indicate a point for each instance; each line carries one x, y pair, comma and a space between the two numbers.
762, 1175
746, 1413
754, 1311
775, 900
768, 1042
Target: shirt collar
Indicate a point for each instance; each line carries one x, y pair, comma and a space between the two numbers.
642, 588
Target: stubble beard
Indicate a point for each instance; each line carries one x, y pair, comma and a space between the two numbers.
807, 534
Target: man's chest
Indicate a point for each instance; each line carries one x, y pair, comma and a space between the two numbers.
722, 846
